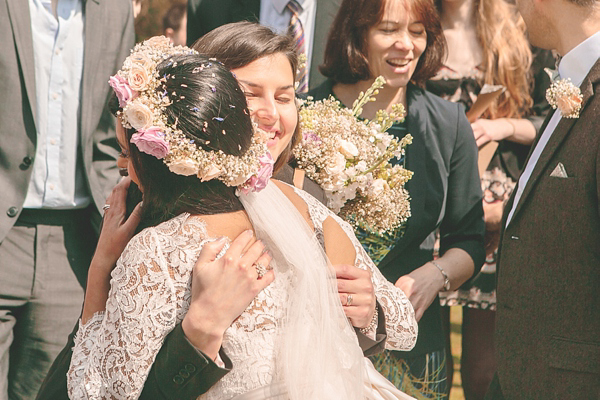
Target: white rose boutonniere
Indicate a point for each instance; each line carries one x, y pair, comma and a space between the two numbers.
565, 96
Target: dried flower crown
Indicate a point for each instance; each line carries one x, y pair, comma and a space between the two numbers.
137, 86
564, 95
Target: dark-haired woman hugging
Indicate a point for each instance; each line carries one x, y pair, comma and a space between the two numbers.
189, 143
403, 42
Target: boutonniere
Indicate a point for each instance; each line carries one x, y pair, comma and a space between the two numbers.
565, 96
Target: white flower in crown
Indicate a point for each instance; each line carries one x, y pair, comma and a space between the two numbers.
564, 95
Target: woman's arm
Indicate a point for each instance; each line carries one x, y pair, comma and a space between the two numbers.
400, 323
462, 228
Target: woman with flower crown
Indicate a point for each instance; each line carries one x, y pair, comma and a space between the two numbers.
189, 144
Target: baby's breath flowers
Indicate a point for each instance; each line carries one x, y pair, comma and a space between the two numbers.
564, 95
350, 159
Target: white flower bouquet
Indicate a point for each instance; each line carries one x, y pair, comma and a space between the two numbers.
351, 158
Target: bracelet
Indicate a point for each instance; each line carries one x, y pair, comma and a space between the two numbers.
446, 280
372, 324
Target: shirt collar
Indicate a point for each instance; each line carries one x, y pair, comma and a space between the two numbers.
576, 64
280, 5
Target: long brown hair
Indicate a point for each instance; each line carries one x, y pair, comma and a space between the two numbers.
238, 44
507, 56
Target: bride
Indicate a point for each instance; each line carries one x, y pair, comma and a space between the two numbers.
194, 153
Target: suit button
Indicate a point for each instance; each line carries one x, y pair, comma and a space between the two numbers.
27, 160
184, 373
190, 368
12, 212
178, 379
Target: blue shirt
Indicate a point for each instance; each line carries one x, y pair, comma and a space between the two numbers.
57, 179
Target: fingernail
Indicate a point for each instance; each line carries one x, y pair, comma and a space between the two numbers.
249, 231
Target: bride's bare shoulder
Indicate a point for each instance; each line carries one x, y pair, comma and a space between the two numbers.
296, 200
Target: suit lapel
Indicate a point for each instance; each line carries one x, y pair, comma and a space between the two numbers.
326, 10
562, 131
94, 25
245, 10
20, 20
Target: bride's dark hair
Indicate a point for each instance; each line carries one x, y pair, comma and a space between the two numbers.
209, 108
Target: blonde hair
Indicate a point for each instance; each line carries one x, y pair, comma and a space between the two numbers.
507, 56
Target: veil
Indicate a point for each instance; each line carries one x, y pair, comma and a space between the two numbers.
318, 355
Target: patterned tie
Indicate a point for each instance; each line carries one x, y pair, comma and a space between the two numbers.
295, 29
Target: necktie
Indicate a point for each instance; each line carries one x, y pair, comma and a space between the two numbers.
295, 29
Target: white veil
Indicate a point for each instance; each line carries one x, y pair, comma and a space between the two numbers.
318, 354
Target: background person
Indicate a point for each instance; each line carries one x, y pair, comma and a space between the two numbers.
403, 42
487, 44
57, 161
548, 259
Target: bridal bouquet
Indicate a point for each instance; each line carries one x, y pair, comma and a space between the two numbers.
351, 158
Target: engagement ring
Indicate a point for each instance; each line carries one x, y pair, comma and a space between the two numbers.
105, 207
260, 269
349, 301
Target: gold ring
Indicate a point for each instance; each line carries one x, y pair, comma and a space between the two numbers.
261, 270
349, 301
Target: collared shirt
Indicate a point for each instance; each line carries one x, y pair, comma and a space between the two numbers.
57, 179
576, 64
276, 15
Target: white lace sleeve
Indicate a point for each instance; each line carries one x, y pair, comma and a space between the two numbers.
400, 322
114, 350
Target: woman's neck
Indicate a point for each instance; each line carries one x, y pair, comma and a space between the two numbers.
458, 14
387, 97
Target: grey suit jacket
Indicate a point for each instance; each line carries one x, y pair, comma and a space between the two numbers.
548, 314
206, 15
109, 35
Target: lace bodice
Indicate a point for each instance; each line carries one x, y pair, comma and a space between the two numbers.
150, 294
401, 325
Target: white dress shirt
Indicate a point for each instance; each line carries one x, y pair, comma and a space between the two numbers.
276, 15
576, 64
57, 179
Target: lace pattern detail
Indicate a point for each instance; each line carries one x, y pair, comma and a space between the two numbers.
401, 325
150, 294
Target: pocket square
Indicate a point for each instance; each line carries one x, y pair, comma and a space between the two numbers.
559, 171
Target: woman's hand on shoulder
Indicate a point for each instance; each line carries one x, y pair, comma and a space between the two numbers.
222, 288
117, 229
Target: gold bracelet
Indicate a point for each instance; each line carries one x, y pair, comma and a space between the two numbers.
372, 324
446, 280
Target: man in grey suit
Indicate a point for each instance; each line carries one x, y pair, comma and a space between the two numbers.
548, 314
57, 165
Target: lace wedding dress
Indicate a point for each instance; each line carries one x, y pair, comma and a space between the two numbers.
150, 294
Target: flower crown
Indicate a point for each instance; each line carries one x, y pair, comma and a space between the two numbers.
137, 86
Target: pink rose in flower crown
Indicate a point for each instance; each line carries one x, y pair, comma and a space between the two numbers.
151, 141
122, 89
258, 181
